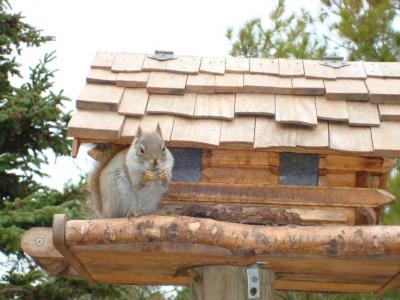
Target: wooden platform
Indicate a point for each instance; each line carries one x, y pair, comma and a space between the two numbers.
161, 250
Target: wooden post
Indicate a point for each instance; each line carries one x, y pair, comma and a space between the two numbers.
227, 283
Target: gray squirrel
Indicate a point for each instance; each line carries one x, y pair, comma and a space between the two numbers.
132, 181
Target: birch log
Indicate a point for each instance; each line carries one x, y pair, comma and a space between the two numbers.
331, 241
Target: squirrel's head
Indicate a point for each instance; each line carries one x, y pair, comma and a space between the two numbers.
150, 147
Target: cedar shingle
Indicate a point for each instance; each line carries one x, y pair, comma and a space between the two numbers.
101, 76
138, 80
296, 110
384, 90
351, 139
221, 106
239, 130
389, 112
363, 114
103, 60
317, 136
269, 133
315, 69
184, 65
172, 104
128, 62
237, 65
229, 83
103, 125
133, 102
255, 104
333, 110
99, 97
213, 65
291, 67
148, 123
254, 83
166, 83
264, 66
386, 138
201, 131
202, 83
346, 89
303, 86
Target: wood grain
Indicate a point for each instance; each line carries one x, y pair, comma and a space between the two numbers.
238, 175
373, 69
239, 130
103, 60
255, 104
201, 83
237, 65
235, 157
363, 114
351, 139
314, 69
128, 62
229, 83
151, 64
99, 97
269, 134
346, 89
101, 76
95, 124
221, 106
213, 65
386, 139
296, 110
304, 86
314, 137
196, 131
291, 67
172, 104
148, 123
264, 66
166, 83
355, 70
134, 80
389, 112
133, 102
384, 90
254, 83
335, 110
184, 65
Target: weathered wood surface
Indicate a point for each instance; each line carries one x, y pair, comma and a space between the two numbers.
227, 283
325, 241
277, 194
262, 215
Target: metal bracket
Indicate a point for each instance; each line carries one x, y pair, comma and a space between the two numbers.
253, 281
335, 62
162, 55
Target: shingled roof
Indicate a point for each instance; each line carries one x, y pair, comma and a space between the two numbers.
259, 102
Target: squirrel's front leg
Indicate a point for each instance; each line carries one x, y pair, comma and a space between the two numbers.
147, 177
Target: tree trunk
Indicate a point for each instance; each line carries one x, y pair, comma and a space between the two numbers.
228, 283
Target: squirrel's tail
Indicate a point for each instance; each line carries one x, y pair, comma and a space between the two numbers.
103, 154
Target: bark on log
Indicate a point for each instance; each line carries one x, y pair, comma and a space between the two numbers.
331, 241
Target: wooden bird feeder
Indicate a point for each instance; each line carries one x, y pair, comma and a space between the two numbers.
280, 171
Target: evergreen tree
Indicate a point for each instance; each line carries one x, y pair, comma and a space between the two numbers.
32, 120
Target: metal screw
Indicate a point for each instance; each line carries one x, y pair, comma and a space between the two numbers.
253, 291
39, 242
254, 279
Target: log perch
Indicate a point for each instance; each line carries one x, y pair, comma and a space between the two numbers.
328, 241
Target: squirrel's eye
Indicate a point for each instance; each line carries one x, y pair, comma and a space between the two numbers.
163, 149
141, 151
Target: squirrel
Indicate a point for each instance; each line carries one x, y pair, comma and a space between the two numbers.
131, 181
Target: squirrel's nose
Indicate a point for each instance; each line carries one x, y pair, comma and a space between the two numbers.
156, 162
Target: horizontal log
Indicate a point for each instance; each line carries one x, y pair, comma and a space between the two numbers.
277, 194
260, 215
328, 241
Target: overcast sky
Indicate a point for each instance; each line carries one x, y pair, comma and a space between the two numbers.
83, 27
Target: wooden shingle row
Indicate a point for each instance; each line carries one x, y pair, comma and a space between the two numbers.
257, 131
290, 109
132, 62
375, 90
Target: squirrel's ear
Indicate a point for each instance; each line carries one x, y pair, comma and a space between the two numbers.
158, 130
139, 133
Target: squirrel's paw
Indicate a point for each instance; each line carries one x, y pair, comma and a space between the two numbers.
147, 177
164, 176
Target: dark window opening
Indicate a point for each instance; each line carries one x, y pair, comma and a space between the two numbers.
298, 169
187, 166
